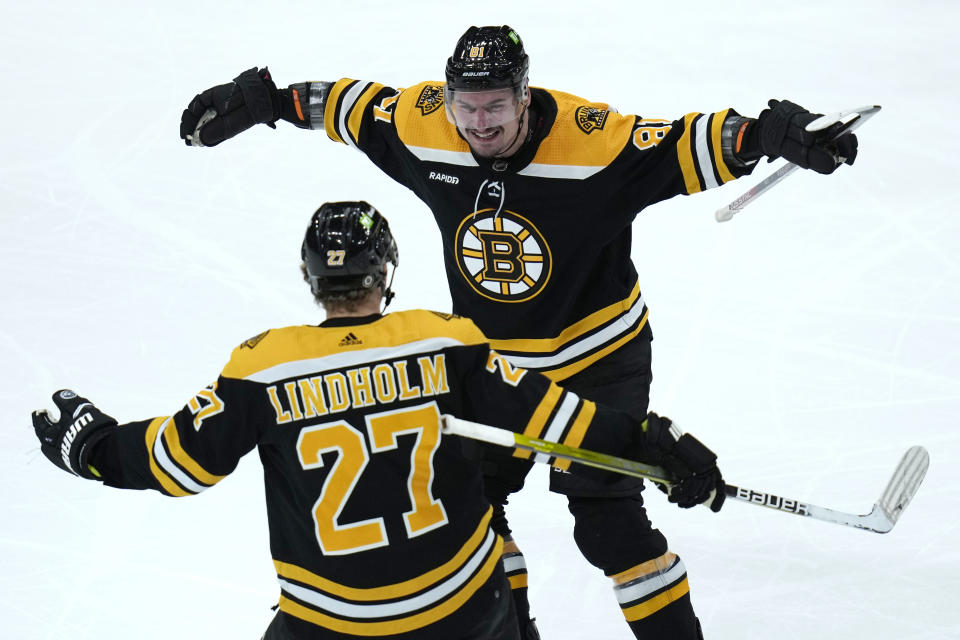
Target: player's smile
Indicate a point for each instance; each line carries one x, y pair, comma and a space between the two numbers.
484, 135
490, 120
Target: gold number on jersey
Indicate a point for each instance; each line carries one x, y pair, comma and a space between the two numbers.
205, 404
649, 133
511, 375
384, 110
335, 257
336, 539
426, 513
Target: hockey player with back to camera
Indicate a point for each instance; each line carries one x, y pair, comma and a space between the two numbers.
378, 525
534, 192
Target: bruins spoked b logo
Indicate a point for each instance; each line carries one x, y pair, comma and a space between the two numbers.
503, 257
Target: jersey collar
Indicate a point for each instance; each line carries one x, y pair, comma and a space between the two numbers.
350, 321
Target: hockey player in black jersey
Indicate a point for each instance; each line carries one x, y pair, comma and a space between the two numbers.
378, 524
534, 192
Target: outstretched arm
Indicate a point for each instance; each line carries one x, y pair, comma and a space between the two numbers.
179, 455
223, 111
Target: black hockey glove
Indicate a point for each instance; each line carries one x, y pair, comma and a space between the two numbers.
68, 442
223, 111
780, 131
694, 465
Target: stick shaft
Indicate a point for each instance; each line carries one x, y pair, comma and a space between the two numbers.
913, 467
854, 119
754, 192
548, 449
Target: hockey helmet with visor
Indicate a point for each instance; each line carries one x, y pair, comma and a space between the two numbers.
486, 78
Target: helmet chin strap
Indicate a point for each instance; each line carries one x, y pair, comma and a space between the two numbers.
517, 136
388, 293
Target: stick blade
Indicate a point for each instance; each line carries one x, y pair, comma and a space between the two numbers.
902, 487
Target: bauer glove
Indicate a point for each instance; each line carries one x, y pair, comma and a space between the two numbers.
68, 441
780, 131
689, 460
221, 112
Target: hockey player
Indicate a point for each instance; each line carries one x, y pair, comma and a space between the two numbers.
534, 192
378, 525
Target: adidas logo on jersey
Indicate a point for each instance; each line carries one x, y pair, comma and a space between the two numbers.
350, 340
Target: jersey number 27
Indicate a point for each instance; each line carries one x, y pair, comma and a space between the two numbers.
426, 514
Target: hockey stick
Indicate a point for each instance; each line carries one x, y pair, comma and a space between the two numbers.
886, 511
849, 121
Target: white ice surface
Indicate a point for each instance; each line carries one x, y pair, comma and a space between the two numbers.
809, 341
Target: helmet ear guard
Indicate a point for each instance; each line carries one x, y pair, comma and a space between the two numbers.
346, 250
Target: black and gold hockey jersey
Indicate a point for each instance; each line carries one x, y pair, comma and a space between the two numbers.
378, 524
536, 246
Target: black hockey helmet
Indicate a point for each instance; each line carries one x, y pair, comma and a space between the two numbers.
346, 248
488, 58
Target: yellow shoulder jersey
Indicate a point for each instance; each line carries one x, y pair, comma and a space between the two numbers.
378, 525
536, 246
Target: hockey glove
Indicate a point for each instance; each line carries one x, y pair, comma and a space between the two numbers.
693, 464
223, 111
780, 131
68, 442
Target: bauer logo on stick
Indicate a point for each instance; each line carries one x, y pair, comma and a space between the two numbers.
772, 501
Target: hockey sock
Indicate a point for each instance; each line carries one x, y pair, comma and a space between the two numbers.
516, 569
655, 599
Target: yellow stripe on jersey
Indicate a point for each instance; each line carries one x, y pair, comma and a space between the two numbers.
577, 431
685, 154
330, 110
172, 438
390, 591
576, 367
356, 112
399, 625
390, 333
718, 161
538, 420
591, 322
165, 481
